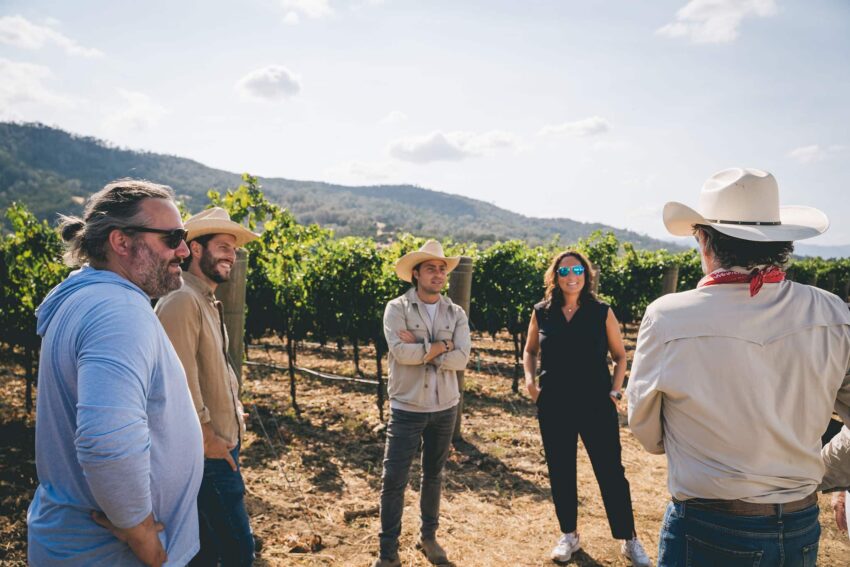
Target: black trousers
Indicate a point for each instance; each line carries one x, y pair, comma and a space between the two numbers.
595, 419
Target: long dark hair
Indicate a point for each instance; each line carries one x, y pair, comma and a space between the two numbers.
553, 296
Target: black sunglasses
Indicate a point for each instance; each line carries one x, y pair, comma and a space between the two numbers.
172, 237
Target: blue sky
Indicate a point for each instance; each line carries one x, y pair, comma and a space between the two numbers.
597, 111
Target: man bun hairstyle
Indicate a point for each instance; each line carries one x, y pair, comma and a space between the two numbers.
116, 206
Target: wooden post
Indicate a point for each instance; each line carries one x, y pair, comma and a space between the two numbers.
669, 279
460, 292
596, 274
232, 296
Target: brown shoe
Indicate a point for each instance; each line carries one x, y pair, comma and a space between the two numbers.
433, 551
381, 562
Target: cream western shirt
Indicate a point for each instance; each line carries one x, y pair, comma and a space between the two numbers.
192, 320
413, 384
738, 390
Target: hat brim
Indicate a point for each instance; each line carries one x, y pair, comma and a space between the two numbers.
217, 226
404, 266
798, 223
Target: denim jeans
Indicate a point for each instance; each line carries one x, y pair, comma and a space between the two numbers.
222, 519
703, 538
406, 432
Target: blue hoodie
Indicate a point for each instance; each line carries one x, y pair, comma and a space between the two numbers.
116, 430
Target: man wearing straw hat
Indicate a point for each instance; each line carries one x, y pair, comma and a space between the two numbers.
428, 339
736, 382
192, 318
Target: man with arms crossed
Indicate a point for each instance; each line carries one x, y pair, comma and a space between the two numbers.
736, 382
428, 338
118, 447
192, 318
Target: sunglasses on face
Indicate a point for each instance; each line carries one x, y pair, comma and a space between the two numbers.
172, 237
564, 271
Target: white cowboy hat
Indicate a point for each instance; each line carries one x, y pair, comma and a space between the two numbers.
217, 221
744, 203
431, 250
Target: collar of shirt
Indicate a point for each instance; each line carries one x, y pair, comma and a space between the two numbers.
197, 284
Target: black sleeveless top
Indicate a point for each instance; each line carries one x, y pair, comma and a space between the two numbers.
574, 354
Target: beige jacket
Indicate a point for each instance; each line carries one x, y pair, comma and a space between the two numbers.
406, 381
192, 321
738, 390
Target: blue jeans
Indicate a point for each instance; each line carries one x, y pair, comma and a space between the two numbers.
406, 432
222, 519
703, 538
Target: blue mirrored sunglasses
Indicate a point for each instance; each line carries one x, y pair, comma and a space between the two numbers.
564, 271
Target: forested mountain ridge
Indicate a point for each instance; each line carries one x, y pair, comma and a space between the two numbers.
53, 171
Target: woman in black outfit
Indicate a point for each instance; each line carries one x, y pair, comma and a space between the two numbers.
574, 332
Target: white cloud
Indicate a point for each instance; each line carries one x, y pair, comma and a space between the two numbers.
138, 112
591, 126
270, 83
312, 9
715, 21
24, 83
394, 117
815, 153
18, 31
451, 146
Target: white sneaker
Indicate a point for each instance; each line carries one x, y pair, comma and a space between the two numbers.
567, 545
633, 551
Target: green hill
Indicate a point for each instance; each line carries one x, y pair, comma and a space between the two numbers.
53, 171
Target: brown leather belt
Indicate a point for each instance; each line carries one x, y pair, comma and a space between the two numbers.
741, 508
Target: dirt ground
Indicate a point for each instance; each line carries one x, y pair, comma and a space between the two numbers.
316, 476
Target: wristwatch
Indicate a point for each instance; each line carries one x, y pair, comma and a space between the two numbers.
446, 344
617, 394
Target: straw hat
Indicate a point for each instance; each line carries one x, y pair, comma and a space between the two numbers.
431, 250
217, 221
744, 203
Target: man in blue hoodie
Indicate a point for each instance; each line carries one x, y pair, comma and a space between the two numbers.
119, 452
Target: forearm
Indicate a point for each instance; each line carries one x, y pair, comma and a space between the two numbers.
409, 354
457, 357
437, 348
116, 462
619, 373
529, 366
836, 460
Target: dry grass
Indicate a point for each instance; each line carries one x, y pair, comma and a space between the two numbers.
305, 472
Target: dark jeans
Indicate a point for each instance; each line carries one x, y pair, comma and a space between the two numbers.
406, 432
703, 538
222, 519
596, 421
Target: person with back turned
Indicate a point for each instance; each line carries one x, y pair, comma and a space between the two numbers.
736, 381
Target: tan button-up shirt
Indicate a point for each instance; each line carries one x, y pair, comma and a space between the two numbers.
192, 320
738, 390
408, 384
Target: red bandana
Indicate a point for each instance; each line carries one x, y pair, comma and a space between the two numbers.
756, 278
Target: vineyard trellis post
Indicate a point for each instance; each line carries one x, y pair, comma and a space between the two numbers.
232, 296
669, 279
460, 292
